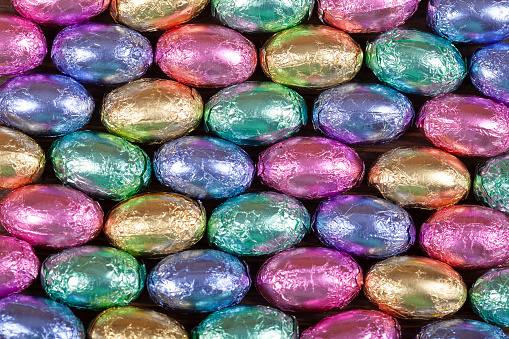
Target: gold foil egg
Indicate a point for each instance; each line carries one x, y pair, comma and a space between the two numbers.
415, 287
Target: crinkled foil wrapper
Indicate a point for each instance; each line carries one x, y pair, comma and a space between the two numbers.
491, 184
489, 294
460, 328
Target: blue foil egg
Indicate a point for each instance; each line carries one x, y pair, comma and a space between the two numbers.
461, 328
362, 113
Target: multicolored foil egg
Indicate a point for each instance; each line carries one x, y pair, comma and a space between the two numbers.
258, 223
421, 177
362, 113
311, 56
152, 111
489, 295
415, 62
100, 53
491, 183
310, 167
251, 321
100, 164
415, 287
92, 277
45, 104
155, 224
364, 226
460, 328
198, 281
206, 55
255, 113
203, 167
309, 279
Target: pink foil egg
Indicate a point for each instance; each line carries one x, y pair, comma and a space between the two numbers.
205, 55
309, 279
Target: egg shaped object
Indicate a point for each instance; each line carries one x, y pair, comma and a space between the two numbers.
362, 113
311, 56
203, 167
101, 53
19, 266
309, 279
415, 62
415, 287
491, 183
421, 177
100, 164
488, 296
152, 111
206, 55
198, 281
255, 113
460, 328
310, 167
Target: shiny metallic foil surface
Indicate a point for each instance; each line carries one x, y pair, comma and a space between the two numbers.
255, 113
258, 223
415, 287
488, 296
92, 277
155, 224
309, 279
420, 177
154, 15
361, 16
416, 62
461, 328
134, 323
22, 160
311, 56
362, 113
152, 111
310, 167
198, 281
251, 321
491, 183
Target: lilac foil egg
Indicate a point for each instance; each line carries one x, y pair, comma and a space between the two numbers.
461, 329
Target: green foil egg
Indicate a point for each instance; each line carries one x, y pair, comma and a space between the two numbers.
489, 295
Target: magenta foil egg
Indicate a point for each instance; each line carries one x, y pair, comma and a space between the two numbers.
310, 167
206, 55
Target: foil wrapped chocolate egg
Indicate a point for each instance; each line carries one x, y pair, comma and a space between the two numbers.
489, 294
255, 113
198, 281
362, 114
491, 183
206, 55
152, 111
203, 167
100, 53
155, 224
460, 328
310, 167
415, 287
421, 177
92, 277
415, 62
100, 164
258, 223
45, 104
311, 56
364, 226
309, 279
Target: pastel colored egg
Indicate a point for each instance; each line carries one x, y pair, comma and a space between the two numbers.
45, 104
155, 224
198, 281
309, 279
100, 53
491, 184
364, 226
466, 125
488, 296
420, 177
255, 113
362, 113
152, 111
205, 55
203, 167
415, 62
92, 277
415, 287
310, 167
100, 164
311, 56
460, 328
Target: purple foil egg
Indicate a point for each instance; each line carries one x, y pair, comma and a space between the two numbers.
205, 55
309, 279
310, 167
461, 329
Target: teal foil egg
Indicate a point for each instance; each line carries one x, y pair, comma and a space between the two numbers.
255, 113
491, 184
489, 295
